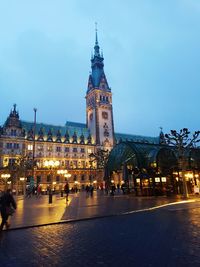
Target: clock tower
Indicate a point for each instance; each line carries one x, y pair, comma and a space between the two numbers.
99, 111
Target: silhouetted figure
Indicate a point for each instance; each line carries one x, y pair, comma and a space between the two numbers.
113, 189
123, 188
8, 205
66, 188
91, 190
87, 189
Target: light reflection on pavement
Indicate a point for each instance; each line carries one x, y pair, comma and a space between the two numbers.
37, 211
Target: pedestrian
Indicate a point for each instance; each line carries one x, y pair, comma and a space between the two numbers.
87, 190
29, 192
91, 190
118, 188
113, 189
8, 205
123, 188
66, 188
39, 190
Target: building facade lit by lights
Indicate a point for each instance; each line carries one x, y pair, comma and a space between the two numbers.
68, 147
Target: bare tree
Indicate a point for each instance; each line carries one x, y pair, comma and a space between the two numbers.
101, 158
183, 141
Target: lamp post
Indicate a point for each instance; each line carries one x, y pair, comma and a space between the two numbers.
51, 164
5, 177
66, 175
34, 131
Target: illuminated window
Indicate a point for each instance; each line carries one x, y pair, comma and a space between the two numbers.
89, 150
40, 148
75, 164
30, 147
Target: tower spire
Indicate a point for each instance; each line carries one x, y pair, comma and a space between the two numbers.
96, 40
96, 47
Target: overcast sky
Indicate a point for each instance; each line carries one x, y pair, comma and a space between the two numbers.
151, 55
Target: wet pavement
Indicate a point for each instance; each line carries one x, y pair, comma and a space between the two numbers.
167, 236
37, 211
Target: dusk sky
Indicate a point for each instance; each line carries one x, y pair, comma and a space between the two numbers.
151, 56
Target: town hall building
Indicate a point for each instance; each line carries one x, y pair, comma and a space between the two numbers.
50, 155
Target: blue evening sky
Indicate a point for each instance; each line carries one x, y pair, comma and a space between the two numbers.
151, 55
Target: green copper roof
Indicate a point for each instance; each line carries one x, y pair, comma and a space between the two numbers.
136, 138
70, 127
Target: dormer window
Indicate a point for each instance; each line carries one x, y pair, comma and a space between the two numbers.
13, 132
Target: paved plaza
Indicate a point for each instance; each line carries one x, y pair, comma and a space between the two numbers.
145, 232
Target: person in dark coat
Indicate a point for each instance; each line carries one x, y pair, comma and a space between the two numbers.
7, 203
66, 188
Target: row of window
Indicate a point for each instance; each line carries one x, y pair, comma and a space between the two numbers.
12, 146
68, 164
49, 178
59, 149
104, 98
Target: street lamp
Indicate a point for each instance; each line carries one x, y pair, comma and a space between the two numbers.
34, 131
66, 175
50, 164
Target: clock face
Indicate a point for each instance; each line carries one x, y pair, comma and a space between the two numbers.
105, 115
91, 116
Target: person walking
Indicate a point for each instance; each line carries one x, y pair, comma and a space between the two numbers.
91, 190
39, 190
7, 205
87, 190
66, 188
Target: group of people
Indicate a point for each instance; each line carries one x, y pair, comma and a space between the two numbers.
89, 190
34, 191
7, 207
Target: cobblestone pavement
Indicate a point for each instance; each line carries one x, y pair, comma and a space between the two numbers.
37, 211
169, 236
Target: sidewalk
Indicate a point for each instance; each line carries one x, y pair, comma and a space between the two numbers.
37, 211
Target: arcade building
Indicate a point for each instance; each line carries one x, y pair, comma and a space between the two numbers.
49, 155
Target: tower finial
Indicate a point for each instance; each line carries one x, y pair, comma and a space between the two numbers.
96, 40
96, 47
